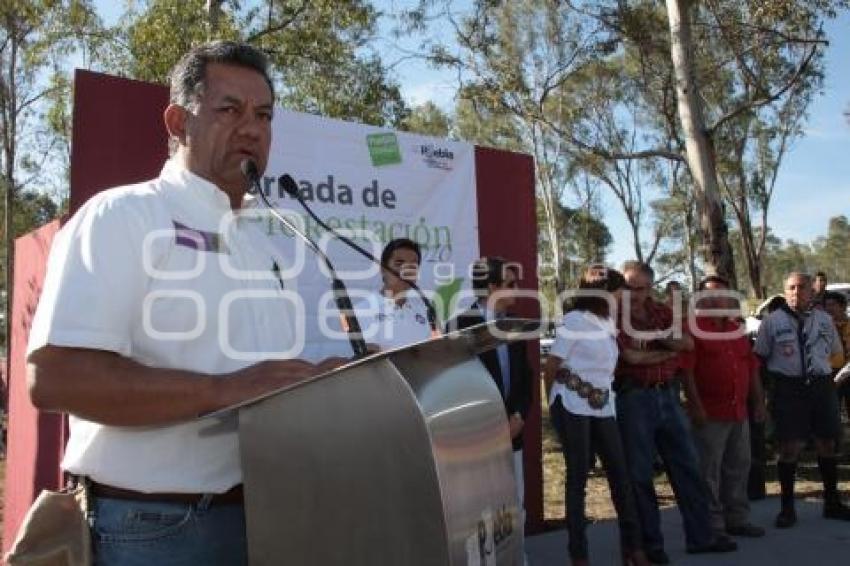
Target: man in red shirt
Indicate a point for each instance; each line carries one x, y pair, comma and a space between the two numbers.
726, 374
652, 421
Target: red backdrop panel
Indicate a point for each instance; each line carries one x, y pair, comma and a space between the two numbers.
507, 227
35, 439
118, 137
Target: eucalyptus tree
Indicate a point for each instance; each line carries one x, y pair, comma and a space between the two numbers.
692, 70
321, 51
37, 38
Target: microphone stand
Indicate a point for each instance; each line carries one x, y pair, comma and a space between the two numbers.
287, 183
341, 297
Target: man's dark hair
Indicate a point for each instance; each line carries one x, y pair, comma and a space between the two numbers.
188, 76
640, 267
599, 306
837, 297
489, 271
713, 279
673, 284
400, 244
821, 274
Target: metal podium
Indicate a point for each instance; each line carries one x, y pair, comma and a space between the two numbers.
399, 459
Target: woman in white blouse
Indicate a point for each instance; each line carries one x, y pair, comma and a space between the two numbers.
581, 367
396, 315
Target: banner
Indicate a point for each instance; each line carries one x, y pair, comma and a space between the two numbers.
374, 185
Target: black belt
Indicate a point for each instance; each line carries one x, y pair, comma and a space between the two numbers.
628, 383
234, 496
807, 379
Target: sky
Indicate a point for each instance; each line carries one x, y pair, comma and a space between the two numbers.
813, 183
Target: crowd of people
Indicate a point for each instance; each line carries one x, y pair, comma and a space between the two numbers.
617, 374
163, 492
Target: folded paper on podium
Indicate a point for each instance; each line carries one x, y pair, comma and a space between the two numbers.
403, 458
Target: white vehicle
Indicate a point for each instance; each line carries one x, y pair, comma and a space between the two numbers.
754, 321
843, 288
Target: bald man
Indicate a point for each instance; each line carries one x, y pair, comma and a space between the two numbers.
795, 343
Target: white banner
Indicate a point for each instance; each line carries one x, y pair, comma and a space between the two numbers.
374, 185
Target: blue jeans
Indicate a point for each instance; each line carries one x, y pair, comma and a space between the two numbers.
130, 533
652, 421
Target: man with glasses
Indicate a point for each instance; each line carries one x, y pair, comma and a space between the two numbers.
651, 418
796, 342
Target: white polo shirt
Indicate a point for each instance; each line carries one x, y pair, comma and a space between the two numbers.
587, 345
390, 325
161, 273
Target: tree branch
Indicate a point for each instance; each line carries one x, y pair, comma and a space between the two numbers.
279, 27
612, 155
753, 104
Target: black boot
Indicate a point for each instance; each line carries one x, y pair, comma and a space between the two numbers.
787, 516
832, 506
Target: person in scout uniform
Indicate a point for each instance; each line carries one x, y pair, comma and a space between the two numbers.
796, 342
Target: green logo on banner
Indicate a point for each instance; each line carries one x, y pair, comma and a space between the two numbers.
383, 149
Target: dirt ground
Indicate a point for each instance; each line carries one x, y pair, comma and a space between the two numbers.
598, 498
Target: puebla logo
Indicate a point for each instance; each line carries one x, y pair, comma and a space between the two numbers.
437, 157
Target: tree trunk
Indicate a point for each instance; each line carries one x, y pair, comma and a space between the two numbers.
749, 247
9, 149
636, 238
698, 147
552, 228
213, 8
690, 247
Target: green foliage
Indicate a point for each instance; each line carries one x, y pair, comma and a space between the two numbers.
829, 253
37, 37
158, 34
427, 119
582, 238
319, 50
482, 125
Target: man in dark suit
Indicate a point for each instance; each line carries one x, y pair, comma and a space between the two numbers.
493, 279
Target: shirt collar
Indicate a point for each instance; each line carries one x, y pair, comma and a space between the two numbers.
390, 301
195, 187
606, 324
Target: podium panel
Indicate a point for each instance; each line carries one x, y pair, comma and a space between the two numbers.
400, 459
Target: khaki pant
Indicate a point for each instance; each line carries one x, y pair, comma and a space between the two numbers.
724, 449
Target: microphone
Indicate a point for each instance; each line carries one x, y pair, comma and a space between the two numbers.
288, 184
343, 301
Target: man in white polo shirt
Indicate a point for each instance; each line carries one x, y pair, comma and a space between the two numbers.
160, 306
396, 315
